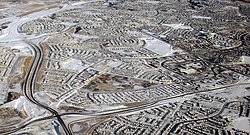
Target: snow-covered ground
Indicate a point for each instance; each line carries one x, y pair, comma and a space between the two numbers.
158, 46
11, 33
241, 123
178, 26
114, 63
24, 49
73, 64
3, 93
31, 109
201, 17
245, 59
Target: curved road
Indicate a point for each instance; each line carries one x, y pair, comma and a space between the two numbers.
30, 83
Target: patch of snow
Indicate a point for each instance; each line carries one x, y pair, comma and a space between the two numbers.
17, 88
188, 71
31, 109
106, 107
12, 34
242, 123
21, 46
3, 34
85, 2
24, 50
158, 46
76, 127
232, 92
231, 7
62, 99
152, 2
79, 3
38, 40
3, 94
114, 64
84, 37
41, 97
100, 108
135, 34
201, 17
136, 87
8, 19
73, 64
245, 59
69, 24
178, 26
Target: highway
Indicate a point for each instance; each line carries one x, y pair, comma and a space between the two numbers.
30, 83
116, 111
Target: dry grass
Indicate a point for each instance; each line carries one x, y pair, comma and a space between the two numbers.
27, 64
32, 6
38, 9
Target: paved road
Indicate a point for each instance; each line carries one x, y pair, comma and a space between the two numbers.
30, 83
